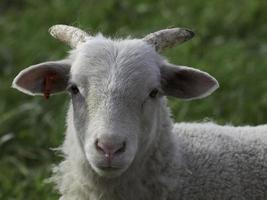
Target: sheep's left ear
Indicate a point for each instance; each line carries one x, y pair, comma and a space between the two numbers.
44, 78
185, 82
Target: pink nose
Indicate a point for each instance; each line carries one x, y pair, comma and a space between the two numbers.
110, 150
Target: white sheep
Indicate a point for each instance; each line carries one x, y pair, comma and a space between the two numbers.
121, 143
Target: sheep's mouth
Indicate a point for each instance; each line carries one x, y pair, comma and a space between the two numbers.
109, 171
108, 168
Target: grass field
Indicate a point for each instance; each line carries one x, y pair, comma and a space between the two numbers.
230, 44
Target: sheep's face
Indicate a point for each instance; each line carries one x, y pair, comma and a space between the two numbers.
116, 89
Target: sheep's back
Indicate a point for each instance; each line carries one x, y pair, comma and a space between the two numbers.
223, 162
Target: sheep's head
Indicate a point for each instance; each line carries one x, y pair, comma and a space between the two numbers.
116, 89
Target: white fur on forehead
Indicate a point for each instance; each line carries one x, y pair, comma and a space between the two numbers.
121, 57
129, 51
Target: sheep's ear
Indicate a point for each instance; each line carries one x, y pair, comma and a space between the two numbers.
185, 82
43, 79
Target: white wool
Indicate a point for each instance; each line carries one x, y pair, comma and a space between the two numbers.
161, 160
187, 158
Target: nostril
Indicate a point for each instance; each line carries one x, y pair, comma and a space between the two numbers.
121, 149
98, 147
111, 149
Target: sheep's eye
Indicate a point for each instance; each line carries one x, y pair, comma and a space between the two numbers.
73, 89
154, 93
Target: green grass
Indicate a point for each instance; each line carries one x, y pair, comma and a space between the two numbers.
230, 44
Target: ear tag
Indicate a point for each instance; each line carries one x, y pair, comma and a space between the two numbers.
48, 80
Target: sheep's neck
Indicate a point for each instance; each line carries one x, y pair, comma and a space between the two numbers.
78, 176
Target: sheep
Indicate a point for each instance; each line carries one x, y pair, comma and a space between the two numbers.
121, 142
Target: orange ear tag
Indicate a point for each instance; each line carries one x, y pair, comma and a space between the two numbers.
48, 81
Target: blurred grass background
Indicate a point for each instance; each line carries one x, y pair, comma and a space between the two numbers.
231, 44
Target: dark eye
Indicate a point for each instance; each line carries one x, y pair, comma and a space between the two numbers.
154, 93
73, 89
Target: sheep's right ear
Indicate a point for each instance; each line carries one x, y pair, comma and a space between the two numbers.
44, 78
185, 82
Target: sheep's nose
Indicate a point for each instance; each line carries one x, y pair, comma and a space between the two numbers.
110, 150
